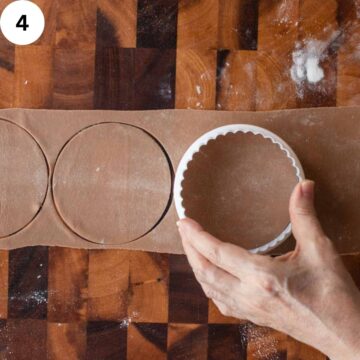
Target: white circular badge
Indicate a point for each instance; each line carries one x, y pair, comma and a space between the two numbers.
22, 22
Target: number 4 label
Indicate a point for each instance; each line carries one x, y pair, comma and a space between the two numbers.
22, 22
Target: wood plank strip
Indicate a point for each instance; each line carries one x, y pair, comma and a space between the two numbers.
148, 291
187, 341
33, 76
74, 77
146, 341
157, 24
348, 59
195, 79
7, 66
116, 23
106, 340
3, 339
198, 24
155, 79
49, 9
227, 342
238, 24
67, 285
108, 284
76, 24
277, 37
265, 343
187, 301
318, 31
4, 281
28, 281
66, 341
25, 339
236, 80
114, 79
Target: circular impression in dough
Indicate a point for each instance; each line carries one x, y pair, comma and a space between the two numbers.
23, 178
111, 183
237, 185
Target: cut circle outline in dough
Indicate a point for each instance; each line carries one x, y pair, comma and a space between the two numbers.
47, 166
221, 131
171, 181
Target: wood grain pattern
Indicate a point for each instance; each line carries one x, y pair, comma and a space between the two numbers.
147, 341
197, 25
187, 341
148, 291
318, 24
227, 342
116, 23
108, 284
195, 84
50, 11
187, 301
26, 339
67, 284
154, 79
275, 88
76, 23
348, 59
66, 341
74, 73
265, 343
238, 25
236, 80
33, 79
106, 340
4, 278
157, 21
114, 79
28, 280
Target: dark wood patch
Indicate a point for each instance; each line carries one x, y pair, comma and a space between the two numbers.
105, 31
25, 339
28, 281
155, 79
114, 79
187, 301
106, 340
157, 24
227, 342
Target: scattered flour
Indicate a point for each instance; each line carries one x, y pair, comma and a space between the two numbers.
306, 64
307, 57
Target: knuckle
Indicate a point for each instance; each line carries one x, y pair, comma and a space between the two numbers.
269, 284
216, 254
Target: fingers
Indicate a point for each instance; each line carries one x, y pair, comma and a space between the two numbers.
231, 258
216, 282
305, 224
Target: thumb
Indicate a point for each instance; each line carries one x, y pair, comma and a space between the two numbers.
305, 224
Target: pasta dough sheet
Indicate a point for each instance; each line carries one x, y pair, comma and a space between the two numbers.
103, 179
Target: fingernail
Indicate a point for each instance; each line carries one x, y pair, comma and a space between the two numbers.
178, 223
307, 189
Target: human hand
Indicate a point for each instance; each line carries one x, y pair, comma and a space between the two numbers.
306, 293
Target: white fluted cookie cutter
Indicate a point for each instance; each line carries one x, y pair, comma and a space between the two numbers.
223, 130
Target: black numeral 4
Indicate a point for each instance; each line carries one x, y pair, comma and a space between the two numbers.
22, 23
